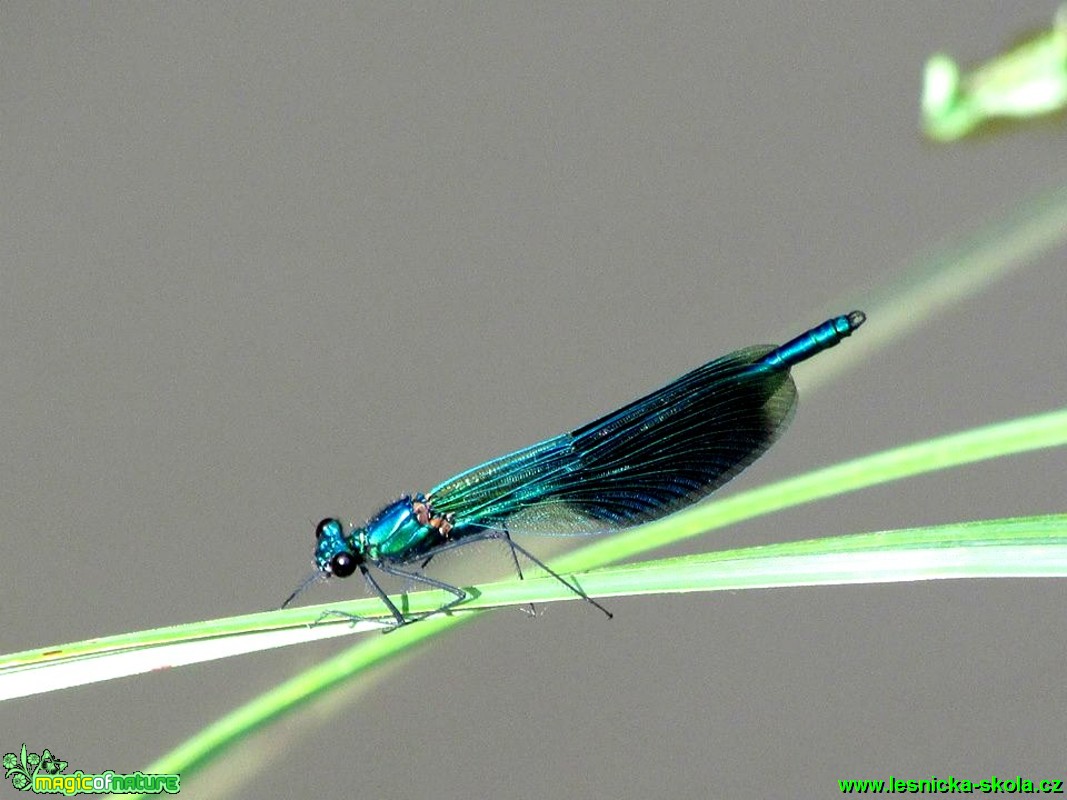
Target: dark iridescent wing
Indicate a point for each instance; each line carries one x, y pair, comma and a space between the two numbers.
648, 459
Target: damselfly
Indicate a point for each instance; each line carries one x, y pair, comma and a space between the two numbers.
658, 454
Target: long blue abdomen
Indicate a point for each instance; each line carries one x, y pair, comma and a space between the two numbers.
815, 341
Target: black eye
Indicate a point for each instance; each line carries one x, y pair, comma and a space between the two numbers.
320, 529
343, 564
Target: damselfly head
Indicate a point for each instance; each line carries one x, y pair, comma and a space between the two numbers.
334, 553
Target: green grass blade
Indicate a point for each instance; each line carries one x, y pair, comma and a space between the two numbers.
105, 658
1021, 547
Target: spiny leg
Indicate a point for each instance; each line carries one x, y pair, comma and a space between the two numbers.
383, 595
501, 534
459, 594
354, 618
530, 608
515, 547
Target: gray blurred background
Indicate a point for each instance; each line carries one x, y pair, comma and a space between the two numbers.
265, 263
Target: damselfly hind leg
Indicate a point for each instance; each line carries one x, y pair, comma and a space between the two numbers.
502, 535
530, 609
517, 548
